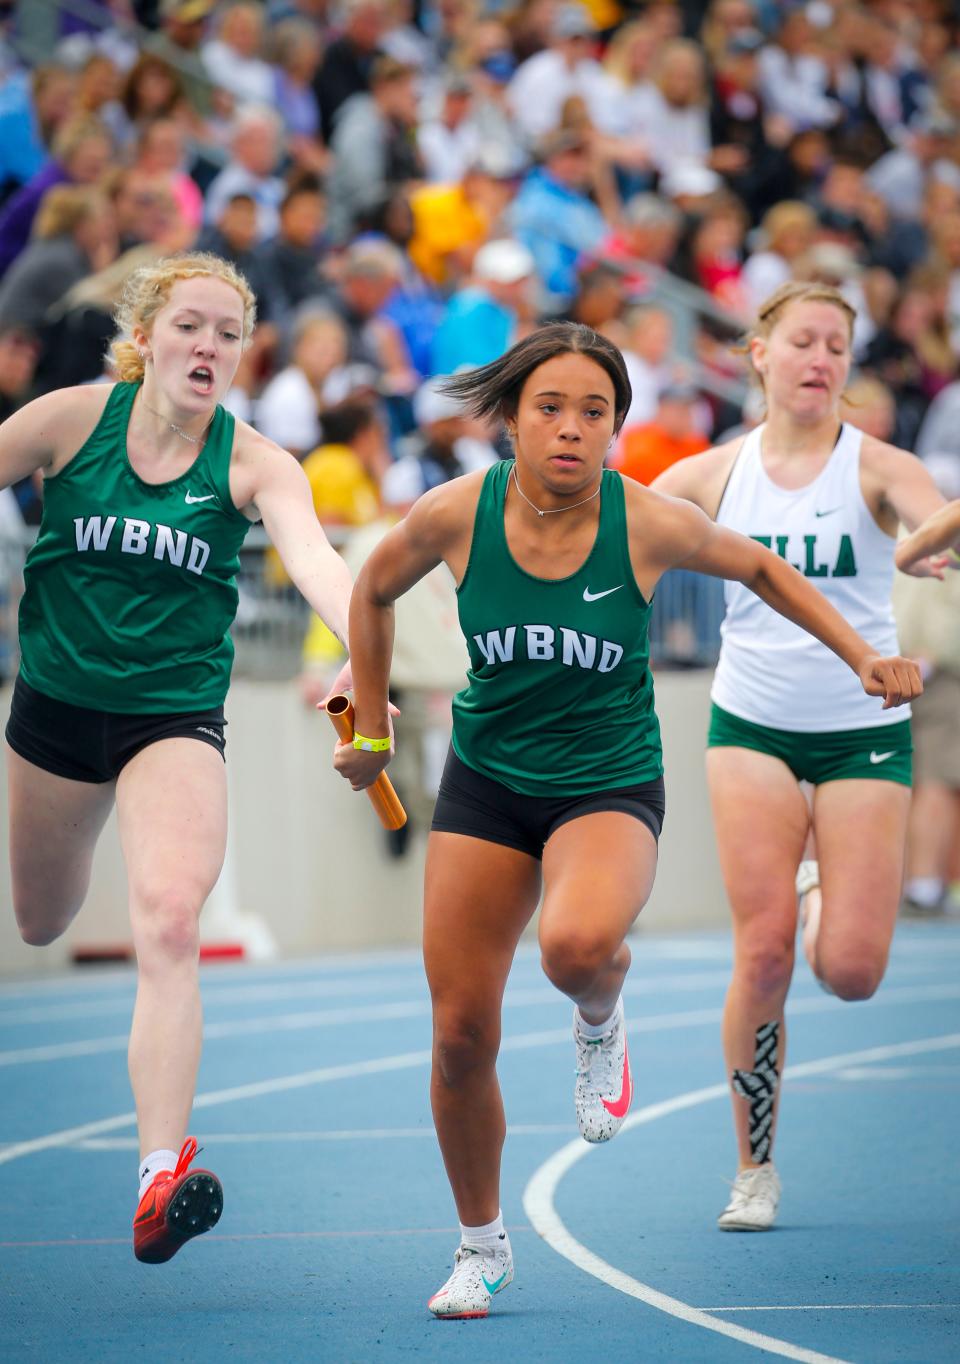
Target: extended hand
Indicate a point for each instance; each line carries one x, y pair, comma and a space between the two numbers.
895, 679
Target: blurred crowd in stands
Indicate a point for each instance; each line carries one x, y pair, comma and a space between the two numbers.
411, 186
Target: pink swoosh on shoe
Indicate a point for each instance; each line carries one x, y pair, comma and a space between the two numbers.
618, 1108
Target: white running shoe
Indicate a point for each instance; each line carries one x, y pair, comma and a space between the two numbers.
477, 1275
754, 1200
604, 1085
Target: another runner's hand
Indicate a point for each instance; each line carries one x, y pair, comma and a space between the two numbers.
895, 679
932, 566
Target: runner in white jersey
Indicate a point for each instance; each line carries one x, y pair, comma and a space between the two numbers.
828, 500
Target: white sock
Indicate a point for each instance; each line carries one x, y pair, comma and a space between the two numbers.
491, 1237
156, 1160
586, 1029
925, 890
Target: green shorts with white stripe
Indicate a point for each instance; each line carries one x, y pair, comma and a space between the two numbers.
879, 753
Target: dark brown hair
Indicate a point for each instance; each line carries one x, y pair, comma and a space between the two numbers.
494, 390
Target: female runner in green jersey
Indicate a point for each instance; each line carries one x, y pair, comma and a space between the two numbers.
554, 778
149, 489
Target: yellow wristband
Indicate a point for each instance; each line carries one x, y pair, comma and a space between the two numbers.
370, 745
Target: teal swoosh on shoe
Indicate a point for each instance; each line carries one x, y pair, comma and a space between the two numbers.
492, 1287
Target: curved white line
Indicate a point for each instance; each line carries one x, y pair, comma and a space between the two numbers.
538, 1201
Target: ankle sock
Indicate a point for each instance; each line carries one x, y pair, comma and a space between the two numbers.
490, 1237
151, 1164
925, 890
586, 1029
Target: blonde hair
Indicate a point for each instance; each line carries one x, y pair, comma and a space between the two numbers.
63, 208
784, 216
148, 289
773, 307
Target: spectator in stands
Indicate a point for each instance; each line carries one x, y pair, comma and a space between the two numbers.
348, 61
485, 317
373, 146
98, 94
451, 221
297, 50
233, 58
146, 210
787, 233
33, 107
747, 140
151, 89
554, 217
160, 152
416, 306
599, 299
913, 355
444, 446
647, 346
81, 153
671, 112
545, 81
289, 263
288, 411
344, 472
644, 452
74, 234
255, 151
450, 141
794, 78
869, 405
178, 43
19, 350
371, 271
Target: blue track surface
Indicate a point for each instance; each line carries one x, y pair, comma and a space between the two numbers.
338, 1222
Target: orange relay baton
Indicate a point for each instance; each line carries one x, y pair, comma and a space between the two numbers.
383, 797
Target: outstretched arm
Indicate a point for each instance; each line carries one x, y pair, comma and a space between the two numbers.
283, 498
923, 554
723, 553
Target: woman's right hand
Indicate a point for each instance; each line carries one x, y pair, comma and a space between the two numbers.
360, 769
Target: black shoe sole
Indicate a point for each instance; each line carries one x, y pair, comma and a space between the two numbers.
193, 1209
196, 1206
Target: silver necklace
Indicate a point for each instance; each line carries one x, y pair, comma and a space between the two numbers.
552, 511
194, 440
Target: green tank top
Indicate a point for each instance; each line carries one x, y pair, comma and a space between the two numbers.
130, 590
559, 695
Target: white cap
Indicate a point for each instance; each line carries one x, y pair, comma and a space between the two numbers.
432, 404
503, 262
689, 177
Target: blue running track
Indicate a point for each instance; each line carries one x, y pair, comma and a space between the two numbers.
338, 1223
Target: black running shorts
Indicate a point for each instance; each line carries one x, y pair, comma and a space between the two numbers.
471, 804
95, 745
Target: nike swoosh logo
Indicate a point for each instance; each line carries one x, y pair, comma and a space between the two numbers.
595, 596
190, 499
618, 1108
146, 1214
492, 1287
830, 512
881, 757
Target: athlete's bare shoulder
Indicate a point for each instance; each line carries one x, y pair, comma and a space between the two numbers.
49, 431
878, 459
443, 517
701, 478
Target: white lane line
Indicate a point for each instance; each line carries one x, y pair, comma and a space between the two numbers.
539, 1205
841, 1307
549, 1129
690, 1018
256, 994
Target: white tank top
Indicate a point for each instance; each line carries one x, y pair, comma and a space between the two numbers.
770, 671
